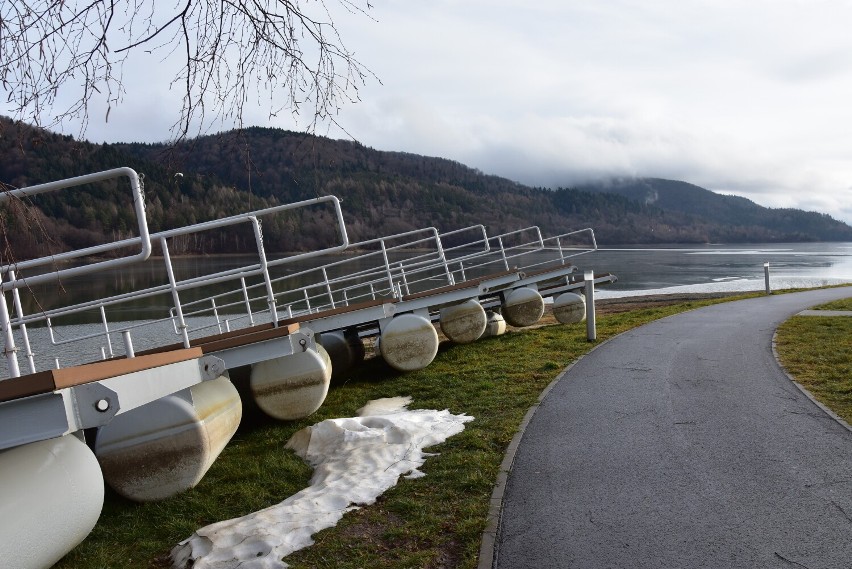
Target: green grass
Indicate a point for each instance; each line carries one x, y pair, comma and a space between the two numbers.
435, 521
817, 352
842, 304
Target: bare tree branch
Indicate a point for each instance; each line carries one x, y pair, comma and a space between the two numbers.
231, 52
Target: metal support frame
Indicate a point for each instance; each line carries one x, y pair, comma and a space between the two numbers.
50, 415
275, 348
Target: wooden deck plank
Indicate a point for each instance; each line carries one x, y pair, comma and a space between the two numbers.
230, 339
211, 344
51, 380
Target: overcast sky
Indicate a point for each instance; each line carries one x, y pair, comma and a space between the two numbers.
749, 98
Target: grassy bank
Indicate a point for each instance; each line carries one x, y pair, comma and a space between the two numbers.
431, 522
817, 352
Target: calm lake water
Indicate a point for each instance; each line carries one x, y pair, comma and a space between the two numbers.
724, 267
640, 271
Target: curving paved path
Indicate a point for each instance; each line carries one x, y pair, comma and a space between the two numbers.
682, 444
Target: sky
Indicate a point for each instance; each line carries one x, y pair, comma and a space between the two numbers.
745, 98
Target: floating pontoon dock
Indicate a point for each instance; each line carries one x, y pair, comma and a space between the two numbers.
163, 413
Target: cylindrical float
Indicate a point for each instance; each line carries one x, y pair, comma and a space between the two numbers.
53, 493
345, 350
496, 325
569, 308
165, 447
291, 387
464, 322
523, 307
409, 342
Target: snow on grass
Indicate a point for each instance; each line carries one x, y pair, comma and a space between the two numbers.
355, 460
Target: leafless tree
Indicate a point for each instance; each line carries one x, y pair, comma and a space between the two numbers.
232, 53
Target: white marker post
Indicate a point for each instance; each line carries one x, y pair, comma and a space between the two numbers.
766, 277
591, 331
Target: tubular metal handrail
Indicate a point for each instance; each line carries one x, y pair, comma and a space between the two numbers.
173, 287
9, 280
386, 278
374, 282
144, 240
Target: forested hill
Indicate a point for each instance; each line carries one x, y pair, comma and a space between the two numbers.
382, 193
732, 211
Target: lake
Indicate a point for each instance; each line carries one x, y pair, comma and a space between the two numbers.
640, 271
708, 268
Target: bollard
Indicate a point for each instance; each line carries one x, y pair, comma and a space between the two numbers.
591, 331
766, 277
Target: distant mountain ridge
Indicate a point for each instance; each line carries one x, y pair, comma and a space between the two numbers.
382, 193
732, 211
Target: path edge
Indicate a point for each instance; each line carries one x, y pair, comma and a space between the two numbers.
489, 534
801, 388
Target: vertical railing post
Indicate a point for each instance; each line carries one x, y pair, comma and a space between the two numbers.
216, 314
106, 331
559, 246
449, 273
246, 297
404, 280
591, 330
503, 252
328, 287
261, 252
175, 296
9, 348
307, 300
19, 310
387, 268
461, 268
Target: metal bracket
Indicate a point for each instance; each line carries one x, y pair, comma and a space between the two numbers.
211, 367
94, 404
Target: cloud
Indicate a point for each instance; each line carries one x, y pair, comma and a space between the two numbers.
746, 98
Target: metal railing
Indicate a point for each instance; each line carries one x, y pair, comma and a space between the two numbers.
386, 267
173, 288
340, 283
9, 281
389, 267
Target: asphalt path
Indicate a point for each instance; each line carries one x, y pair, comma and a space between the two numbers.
682, 444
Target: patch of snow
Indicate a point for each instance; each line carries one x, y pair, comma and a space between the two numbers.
355, 460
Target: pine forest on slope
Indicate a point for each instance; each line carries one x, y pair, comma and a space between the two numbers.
382, 193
